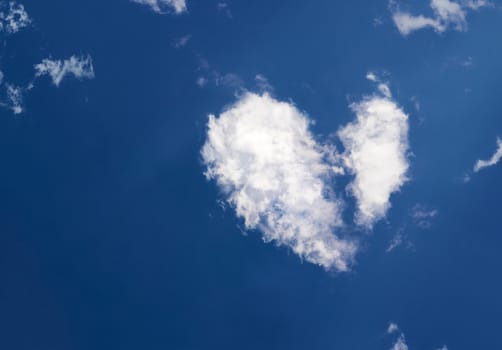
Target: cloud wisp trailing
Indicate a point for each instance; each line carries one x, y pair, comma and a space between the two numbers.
79, 67
376, 146
164, 6
495, 158
13, 17
273, 172
446, 14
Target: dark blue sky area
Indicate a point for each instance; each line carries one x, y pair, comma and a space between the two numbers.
112, 238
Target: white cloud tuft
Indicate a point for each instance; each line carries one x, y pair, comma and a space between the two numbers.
79, 67
400, 343
164, 6
392, 328
375, 152
14, 19
14, 99
265, 160
447, 14
481, 164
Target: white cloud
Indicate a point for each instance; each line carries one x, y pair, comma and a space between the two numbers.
392, 328
79, 67
375, 152
476, 4
14, 100
14, 19
447, 13
201, 82
481, 164
182, 41
164, 6
396, 241
400, 343
230, 80
422, 215
277, 177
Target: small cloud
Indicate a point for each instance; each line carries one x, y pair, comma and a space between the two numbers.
14, 18
13, 99
201, 82
377, 21
468, 62
225, 8
400, 340
164, 6
79, 67
400, 343
396, 241
416, 103
376, 146
446, 14
372, 77
229, 80
182, 41
393, 328
422, 216
495, 158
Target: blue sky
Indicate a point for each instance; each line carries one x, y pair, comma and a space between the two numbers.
253, 175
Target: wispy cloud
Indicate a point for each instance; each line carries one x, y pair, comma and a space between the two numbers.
13, 17
376, 146
78, 66
14, 98
273, 172
164, 6
422, 215
263, 84
182, 41
495, 158
446, 14
400, 340
400, 343
395, 242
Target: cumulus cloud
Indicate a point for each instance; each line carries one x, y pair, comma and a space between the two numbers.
78, 66
446, 14
495, 158
265, 160
164, 6
376, 146
13, 18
